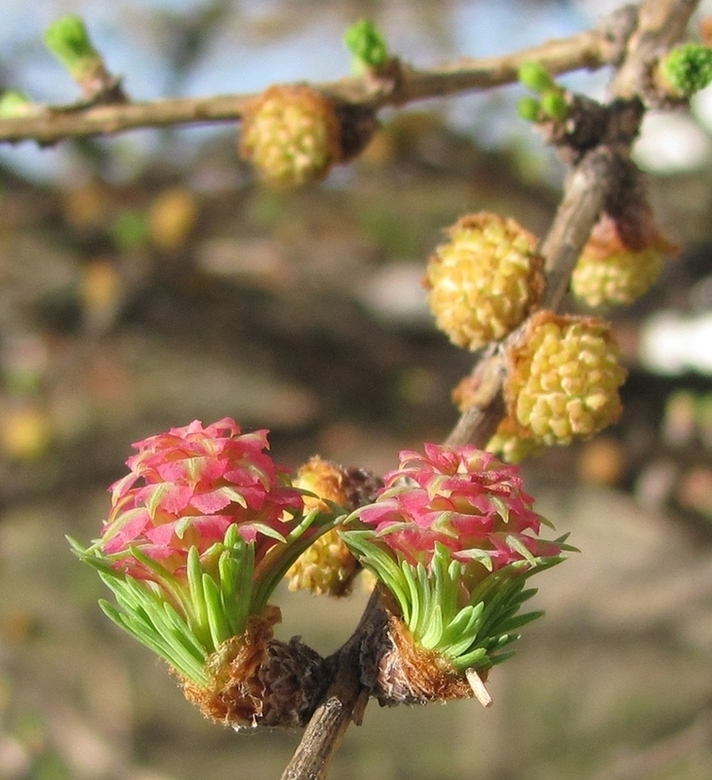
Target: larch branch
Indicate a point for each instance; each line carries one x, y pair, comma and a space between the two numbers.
591, 49
585, 193
661, 24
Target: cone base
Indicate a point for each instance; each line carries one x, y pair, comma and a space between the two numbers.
261, 681
401, 672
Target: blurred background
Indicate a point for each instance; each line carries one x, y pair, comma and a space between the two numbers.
147, 280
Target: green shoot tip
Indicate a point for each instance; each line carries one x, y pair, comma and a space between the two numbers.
536, 77
68, 39
367, 45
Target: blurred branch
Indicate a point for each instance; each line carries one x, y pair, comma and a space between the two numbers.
591, 49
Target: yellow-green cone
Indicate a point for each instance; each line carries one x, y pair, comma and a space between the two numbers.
613, 269
291, 135
485, 281
326, 566
563, 378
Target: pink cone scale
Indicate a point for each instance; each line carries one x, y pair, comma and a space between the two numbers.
465, 499
185, 489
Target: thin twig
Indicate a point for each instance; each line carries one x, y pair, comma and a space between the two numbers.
584, 196
322, 737
662, 24
344, 702
591, 49
478, 422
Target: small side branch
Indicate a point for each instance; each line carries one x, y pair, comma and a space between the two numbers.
51, 125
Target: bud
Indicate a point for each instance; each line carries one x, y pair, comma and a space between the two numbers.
291, 134
68, 40
485, 281
452, 537
536, 77
199, 535
529, 109
554, 105
617, 267
563, 378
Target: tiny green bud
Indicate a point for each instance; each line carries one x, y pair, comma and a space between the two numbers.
688, 68
14, 105
554, 105
529, 109
367, 44
536, 77
68, 40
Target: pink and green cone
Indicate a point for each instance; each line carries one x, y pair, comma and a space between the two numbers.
453, 537
200, 533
